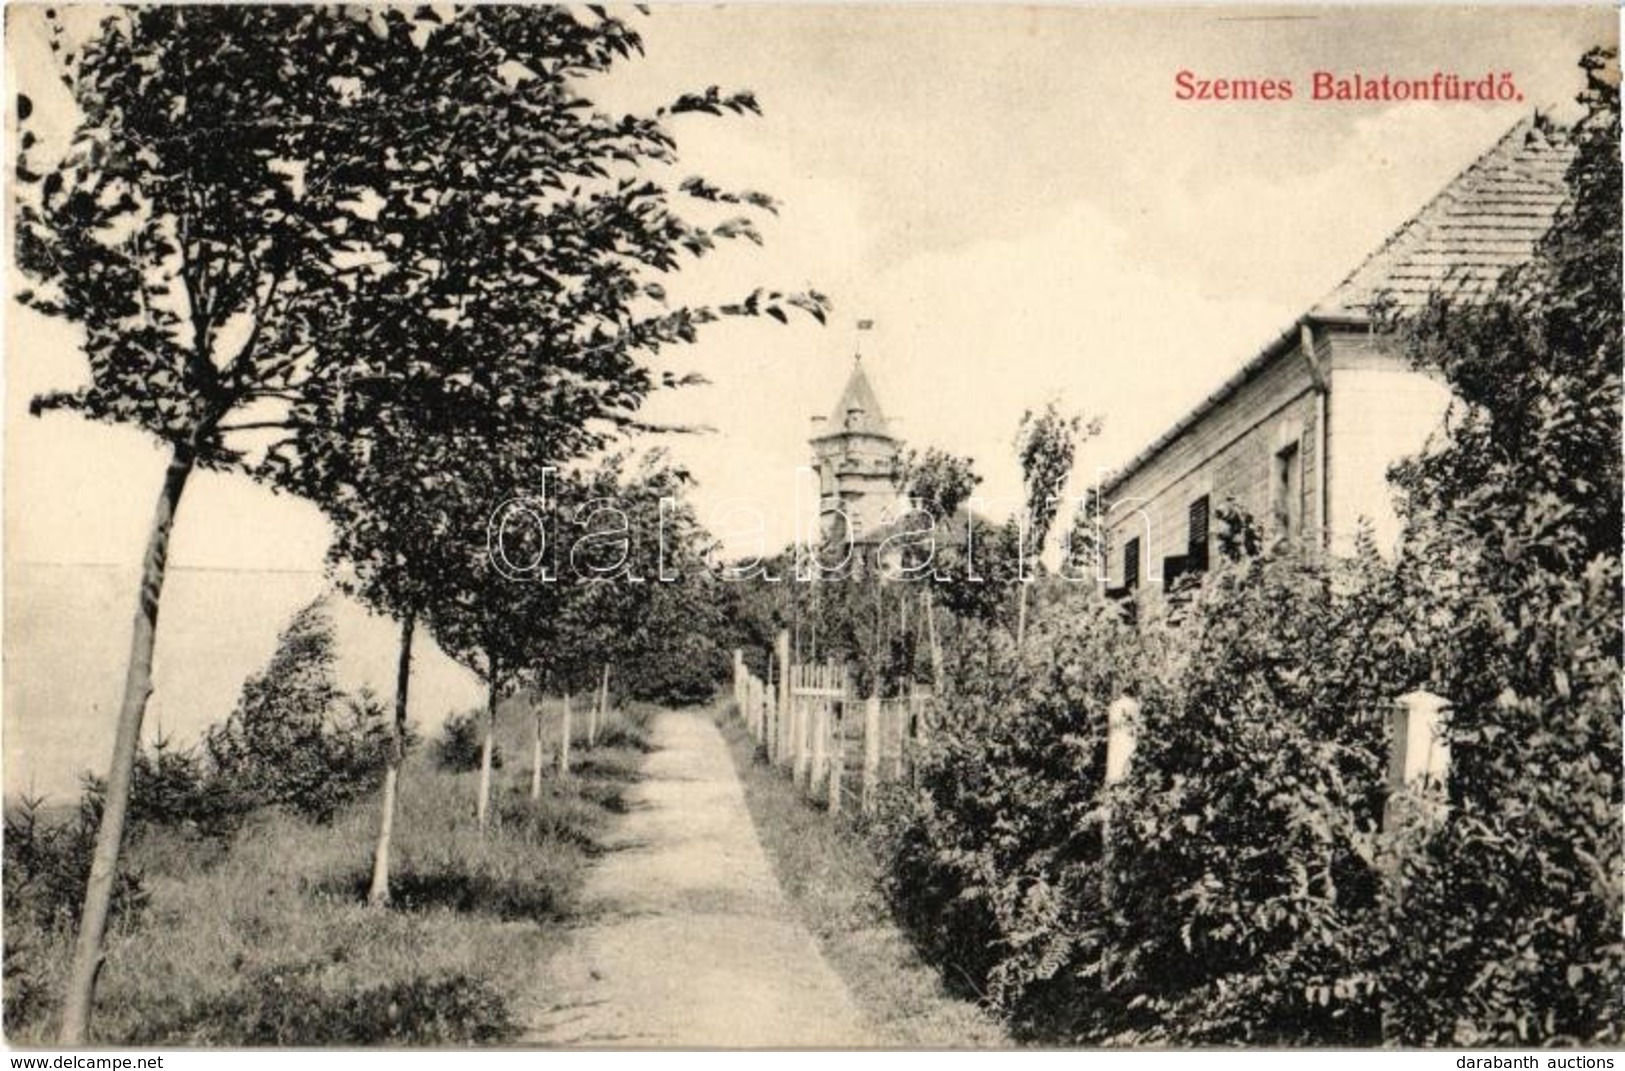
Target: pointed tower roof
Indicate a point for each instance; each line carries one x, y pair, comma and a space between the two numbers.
858, 411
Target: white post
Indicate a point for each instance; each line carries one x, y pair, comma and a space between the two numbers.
770, 714
801, 731
1122, 729
564, 738
818, 768
781, 711
837, 758
922, 717
871, 748
1418, 753
602, 710
536, 751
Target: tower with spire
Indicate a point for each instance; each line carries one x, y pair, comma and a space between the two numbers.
857, 460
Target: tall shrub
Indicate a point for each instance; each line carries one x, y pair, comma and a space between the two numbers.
1513, 923
995, 852
1248, 903
294, 740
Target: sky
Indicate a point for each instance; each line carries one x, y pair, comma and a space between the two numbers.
1012, 194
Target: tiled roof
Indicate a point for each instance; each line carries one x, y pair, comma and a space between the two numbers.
859, 409
1487, 220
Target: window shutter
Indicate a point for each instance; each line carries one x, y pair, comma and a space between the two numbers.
1131, 563
1197, 544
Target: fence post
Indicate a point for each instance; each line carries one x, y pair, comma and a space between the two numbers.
536, 750
778, 750
903, 714
1121, 737
564, 738
1418, 753
781, 647
739, 681
602, 710
923, 719
837, 753
769, 686
764, 701
871, 747
789, 719
799, 731
819, 766
764, 725
1122, 734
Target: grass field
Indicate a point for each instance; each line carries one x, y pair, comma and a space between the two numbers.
267, 939
831, 875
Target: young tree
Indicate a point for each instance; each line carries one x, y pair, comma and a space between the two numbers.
245, 180
1046, 444
295, 740
938, 484
516, 313
190, 234
652, 606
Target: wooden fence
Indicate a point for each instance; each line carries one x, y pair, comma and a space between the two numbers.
839, 748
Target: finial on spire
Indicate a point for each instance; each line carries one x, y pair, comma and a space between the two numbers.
857, 349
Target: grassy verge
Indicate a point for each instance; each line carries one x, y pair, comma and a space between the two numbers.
830, 874
266, 940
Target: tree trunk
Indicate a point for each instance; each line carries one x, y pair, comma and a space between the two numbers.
603, 708
930, 611
482, 808
87, 956
536, 749
564, 738
378, 894
1021, 612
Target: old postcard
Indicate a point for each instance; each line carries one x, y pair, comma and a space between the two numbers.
774, 526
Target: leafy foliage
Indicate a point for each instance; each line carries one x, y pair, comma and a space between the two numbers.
1046, 445
1251, 814
47, 862
995, 853
289, 1005
652, 608
391, 260
458, 748
1513, 560
294, 740
1033, 881
1238, 885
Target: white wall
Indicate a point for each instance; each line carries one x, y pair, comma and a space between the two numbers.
1377, 415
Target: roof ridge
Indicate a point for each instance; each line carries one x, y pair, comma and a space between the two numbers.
1400, 262
1422, 223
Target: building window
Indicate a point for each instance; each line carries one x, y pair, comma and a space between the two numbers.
1131, 564
1196, 543
1288, 493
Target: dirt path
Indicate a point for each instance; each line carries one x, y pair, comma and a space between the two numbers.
689, 940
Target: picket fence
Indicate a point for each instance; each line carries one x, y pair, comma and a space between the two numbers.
839, 748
